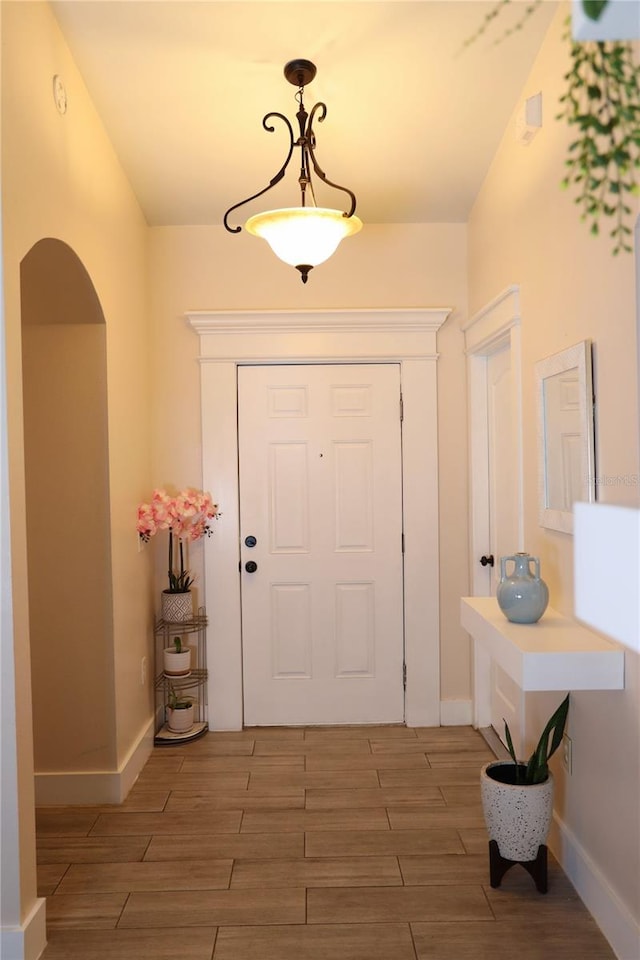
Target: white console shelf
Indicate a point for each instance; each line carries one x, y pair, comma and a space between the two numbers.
555, 653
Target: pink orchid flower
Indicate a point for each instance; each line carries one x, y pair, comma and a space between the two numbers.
185, 516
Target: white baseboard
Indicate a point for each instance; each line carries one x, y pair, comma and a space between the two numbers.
96, 786
621, 929
136, 759
456, 713
28, 941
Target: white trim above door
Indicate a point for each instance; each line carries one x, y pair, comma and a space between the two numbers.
406, 336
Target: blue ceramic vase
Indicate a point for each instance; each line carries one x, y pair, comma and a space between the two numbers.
522, 596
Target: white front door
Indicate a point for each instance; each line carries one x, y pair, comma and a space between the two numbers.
321, 520
506, 696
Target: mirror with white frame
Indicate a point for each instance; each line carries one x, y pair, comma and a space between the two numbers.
566, 469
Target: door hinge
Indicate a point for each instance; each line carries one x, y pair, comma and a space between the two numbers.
404, 676
401, 408
402, 539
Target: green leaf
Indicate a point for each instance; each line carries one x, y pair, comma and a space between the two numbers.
537, 768
556, 726
507, 734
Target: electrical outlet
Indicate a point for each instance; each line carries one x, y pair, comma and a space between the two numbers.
143, 671
567, 754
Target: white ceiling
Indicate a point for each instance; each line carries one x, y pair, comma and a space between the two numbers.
413, 119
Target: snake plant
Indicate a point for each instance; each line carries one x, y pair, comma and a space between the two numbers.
537, 769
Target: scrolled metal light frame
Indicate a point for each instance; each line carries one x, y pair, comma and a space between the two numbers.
299, 73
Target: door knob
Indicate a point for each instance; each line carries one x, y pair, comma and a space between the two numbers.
251, 566
250, 541
487, 561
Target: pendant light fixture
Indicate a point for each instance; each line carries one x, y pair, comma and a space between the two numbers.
302, 236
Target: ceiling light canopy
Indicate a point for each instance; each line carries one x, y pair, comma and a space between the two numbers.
301, 236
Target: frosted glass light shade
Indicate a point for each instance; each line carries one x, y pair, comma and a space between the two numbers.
303, 235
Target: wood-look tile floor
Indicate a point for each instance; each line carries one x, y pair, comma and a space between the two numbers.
336, 843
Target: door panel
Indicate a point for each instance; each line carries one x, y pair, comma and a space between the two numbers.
289, 489
503, 523
506, 698
320, 490
291, 630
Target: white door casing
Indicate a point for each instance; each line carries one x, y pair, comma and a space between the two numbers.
494, 328
405, 336
321, 494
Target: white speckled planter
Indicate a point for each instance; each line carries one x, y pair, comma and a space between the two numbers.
517, 817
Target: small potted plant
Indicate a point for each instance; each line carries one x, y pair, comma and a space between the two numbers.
186, 517
180, 710
177, 659
517, 801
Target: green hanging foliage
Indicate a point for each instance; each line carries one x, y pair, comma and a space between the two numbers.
602, 103
495, 12
593, 8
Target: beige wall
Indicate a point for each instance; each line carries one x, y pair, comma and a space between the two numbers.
61, 179
525, 230
199, 268
70, 621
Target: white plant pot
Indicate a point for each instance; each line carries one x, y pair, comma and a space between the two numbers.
177, 664
518, 817
176, 607
180, 721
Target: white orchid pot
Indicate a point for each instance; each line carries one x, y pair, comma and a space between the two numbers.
176, 607
180, 721
518, 816
177, 664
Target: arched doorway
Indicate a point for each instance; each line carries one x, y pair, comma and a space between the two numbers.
67, 508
